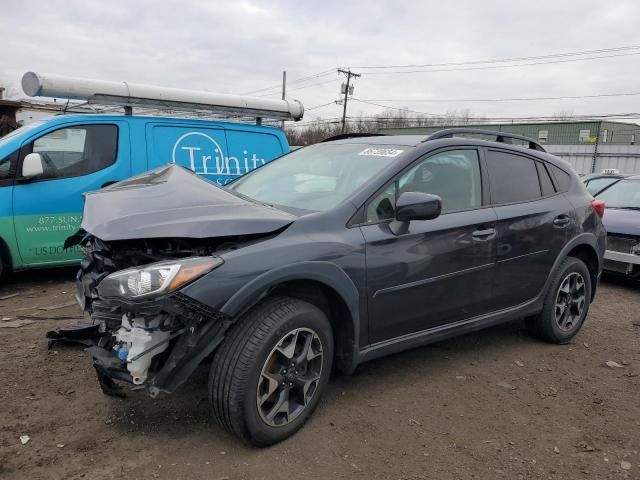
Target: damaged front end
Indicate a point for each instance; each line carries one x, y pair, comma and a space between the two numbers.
143, 240
150, 334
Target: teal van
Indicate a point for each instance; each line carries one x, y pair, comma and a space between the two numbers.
46, 166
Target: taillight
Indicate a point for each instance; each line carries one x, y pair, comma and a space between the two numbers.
598, 206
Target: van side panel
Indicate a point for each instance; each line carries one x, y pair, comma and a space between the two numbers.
220, 152
138, 145
201, 149
249, 150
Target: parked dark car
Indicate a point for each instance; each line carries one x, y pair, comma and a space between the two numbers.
596, 182
330, 256
622, 221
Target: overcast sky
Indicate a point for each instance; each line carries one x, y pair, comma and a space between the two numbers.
241, 46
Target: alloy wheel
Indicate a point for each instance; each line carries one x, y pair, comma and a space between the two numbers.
570, 301
289, 377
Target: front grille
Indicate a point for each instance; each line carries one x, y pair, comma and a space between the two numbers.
621, 244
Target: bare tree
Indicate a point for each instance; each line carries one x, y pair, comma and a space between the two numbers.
562, 115
313, 132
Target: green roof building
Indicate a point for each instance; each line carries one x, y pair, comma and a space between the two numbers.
552, 133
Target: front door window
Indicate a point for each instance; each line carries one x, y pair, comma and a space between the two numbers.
76, 151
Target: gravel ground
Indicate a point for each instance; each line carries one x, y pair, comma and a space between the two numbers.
494, 404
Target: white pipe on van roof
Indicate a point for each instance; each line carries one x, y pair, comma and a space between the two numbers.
135, 94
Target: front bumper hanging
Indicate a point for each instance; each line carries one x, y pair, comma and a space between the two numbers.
200, 332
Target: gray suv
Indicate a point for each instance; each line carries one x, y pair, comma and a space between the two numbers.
330, 256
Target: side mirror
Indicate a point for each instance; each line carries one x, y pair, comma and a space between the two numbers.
32, 166
417, 206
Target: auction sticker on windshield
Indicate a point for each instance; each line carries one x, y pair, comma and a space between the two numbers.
381, 152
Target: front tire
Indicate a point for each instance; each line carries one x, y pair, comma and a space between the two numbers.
566, 303
269, 374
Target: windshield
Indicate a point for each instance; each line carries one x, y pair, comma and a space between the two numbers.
318, 177
18, 131
624, 194
598, 184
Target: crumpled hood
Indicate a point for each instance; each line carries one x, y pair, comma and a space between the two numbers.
172, 201
622, 221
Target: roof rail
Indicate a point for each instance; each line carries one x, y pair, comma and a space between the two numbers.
501, 137
342, 136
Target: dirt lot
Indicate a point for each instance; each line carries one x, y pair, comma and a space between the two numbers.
495, 404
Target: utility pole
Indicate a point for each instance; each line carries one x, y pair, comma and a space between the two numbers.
349, 74
594, 159
284, 91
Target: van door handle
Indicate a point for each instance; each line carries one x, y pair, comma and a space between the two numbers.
562, 221
484, 234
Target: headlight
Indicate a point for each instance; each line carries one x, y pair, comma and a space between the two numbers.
156, 278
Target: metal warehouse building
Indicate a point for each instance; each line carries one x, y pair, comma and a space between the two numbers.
590, 146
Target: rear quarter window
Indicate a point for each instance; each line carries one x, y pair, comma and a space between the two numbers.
546, 185
563, 179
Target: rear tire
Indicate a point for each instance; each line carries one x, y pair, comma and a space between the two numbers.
566, 303
268, 376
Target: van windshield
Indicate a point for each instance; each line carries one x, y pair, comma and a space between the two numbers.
318, 177
19, 131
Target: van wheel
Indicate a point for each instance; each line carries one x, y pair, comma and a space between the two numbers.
267, 377
566, 304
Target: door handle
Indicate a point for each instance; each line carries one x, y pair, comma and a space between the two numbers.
484, 234
562, 221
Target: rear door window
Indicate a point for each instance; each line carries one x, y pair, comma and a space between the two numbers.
514, 178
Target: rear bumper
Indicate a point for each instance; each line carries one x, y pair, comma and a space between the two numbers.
622, 257
623, 263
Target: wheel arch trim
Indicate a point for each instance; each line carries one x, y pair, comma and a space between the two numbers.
586, 239
326, 273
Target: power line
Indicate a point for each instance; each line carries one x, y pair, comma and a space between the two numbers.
500, 60
292, 82
394, 108
492, 67
609, 116
320, 106
299, 88
515, 99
